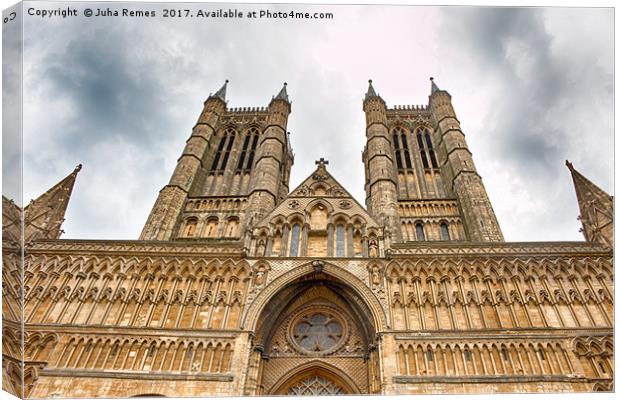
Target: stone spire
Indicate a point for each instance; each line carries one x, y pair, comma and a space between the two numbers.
434, 87
596, 209
44, 216
221, 94
282, 95
371, 90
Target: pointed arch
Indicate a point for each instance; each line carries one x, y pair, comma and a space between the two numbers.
314, 368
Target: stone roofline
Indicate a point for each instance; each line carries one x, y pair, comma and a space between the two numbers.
207, 246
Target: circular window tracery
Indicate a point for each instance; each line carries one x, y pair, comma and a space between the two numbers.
318, 331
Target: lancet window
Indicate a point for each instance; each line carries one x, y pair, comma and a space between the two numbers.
295, 234
401, 149
427, 153
419, 231
445, 233
246, 158
339, 240
223, 151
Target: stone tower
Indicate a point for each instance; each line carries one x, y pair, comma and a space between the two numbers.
420, 176
235, 167
459, 171
381, 185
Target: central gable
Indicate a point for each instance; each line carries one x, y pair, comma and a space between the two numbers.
319, 218
320, 184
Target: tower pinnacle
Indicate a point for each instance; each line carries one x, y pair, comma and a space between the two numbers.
221, 94
43, 217
282, 95
371, 90
434, 87
596, 209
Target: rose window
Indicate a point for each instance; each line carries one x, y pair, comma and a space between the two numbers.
317, 332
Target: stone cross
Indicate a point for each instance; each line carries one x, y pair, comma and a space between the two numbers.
322, 162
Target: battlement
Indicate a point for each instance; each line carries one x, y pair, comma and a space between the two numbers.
409, 107
247, 110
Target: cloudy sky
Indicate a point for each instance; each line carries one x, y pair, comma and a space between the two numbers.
531, 87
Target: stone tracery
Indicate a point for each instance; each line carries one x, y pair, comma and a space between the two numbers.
262, 291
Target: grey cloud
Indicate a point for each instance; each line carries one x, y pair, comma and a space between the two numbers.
486, 33
543, 104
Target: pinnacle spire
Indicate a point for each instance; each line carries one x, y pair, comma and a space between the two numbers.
221, 94
434, 87
595, 208
282, 95
43, 217
371, 90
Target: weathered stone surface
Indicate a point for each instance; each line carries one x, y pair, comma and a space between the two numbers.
237, 287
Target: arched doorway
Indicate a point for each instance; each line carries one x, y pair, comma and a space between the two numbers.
314, 379
321, 328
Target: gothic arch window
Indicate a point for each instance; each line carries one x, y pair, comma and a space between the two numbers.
211, 230
250, 162
429, 353
399, 162
340, 240
190, 227
244, 150
406, 156
232, 225
401, 149
427, 153
152, 351
445, 232
419, 231
315, 385
246, 159
223, 151
295, 234
504, 354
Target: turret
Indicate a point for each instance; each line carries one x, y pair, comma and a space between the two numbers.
272, 160
169, 204
459, 172
596, 209
381, 184
42, 217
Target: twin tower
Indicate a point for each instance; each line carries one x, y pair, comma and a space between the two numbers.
421, 182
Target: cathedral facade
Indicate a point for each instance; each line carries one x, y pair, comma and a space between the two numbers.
239, 285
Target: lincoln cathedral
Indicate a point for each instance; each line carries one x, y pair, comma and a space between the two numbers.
240, 285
